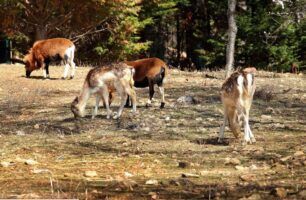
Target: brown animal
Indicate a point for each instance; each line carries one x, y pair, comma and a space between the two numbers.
45, 51
237, 95
102, 82
148, 72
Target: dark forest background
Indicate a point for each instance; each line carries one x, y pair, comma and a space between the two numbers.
188, 34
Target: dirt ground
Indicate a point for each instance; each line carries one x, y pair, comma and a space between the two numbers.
156, 154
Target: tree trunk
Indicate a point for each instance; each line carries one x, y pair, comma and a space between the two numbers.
40, 33
178, 40
232, 32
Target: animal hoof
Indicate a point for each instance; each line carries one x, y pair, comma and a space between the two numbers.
71, 77
107, 117
63, 78
162, 105
253, 140
148, 105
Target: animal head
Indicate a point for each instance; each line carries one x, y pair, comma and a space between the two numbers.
76, 109
30, 64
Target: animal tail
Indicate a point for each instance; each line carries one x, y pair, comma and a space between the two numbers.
164, 71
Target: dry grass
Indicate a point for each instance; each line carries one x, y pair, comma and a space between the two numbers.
36, 123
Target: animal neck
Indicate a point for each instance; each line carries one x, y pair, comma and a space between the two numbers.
84, 96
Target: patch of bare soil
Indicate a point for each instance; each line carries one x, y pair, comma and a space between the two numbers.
156, 154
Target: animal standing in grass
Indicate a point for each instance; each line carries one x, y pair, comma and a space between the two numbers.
103, 81
148, 72
45, 51
237, 95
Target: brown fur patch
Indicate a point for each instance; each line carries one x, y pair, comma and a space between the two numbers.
147, 68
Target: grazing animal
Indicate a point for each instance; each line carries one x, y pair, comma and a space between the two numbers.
237, 95
148, 72
102, 82
45, 51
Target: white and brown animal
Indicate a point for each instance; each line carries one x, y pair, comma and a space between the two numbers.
45, 51
237, 96
148, 72
102, 82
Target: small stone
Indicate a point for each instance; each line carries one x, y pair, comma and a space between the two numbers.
284, 159
204, 172
30, 162
297, 163
254, 197
153, 195
183, 164
167, 118
247, 177
157, 161
232, 161
188, 175
270, 110
186, 100
210, 119
151, 182
199, 119
241, 168
128, 174
147, 129
5, 164
302, 194
39, 171
36, 126
174, 182
20, 133
90, 173
266, 117
253, 167
298, 153
280, 192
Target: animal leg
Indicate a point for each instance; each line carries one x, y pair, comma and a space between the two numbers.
128, 102
131, 92
72, 65
95, 110
66, 69
151, 92
44, 73
123, 96
233, 124
222, 128
105, 96
251, 136
247, 138
47, 69
162, 93
44, 68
